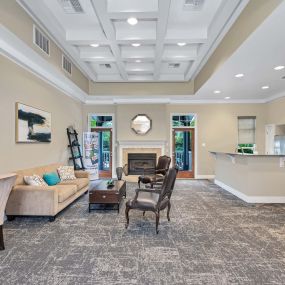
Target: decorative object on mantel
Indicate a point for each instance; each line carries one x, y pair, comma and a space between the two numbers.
32, 125
6, 183
141, 124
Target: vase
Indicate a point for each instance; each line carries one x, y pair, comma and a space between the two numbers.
119, 172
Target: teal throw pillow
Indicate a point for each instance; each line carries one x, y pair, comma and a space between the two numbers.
51, 178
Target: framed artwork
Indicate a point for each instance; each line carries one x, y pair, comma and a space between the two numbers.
32, 125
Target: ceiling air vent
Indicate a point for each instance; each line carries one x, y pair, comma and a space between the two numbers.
41, 40
173, 65
193, 4
66, 64
71, 6
106, 65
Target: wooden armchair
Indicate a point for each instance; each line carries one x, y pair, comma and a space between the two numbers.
154, 200
159, 172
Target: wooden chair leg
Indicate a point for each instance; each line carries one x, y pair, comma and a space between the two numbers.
2, 247
127, 216
157, 221
168, 211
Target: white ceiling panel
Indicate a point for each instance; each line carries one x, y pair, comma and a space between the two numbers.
132, 6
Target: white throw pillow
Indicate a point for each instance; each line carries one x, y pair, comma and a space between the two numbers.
35, 180
66, 173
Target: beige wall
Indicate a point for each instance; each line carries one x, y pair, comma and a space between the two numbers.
18, 85
132, 89
276, 112
216, 126
20, 23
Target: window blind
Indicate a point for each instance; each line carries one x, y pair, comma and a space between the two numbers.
246, 130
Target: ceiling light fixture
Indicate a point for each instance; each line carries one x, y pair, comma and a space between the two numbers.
132, 21
94, 45
181, 44
138, 61
265, 87
136, 44
239, 75
227, 98
279, 67
217, 92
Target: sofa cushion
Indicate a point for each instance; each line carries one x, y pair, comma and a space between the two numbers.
65, 191
79, 182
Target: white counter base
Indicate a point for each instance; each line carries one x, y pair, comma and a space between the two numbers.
251, 199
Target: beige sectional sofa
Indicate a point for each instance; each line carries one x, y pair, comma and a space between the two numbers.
26, 200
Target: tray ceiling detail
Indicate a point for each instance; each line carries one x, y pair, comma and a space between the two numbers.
134, 40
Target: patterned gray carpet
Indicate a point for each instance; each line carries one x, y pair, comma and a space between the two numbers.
213, 238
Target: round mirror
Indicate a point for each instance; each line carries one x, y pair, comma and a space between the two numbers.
141, 124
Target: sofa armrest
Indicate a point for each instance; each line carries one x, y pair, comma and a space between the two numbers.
33, 200
81, 174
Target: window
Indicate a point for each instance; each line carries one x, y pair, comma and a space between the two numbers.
246, 134
41, 40
66, 64
183, 121
100, 121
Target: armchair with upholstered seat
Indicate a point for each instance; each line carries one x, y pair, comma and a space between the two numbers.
154, 200
158, 173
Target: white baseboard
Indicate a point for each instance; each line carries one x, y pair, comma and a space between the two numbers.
251, 199
204, 176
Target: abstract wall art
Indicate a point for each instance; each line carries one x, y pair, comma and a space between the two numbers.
32, 125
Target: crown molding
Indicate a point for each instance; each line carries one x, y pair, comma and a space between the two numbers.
171, 99
19, 52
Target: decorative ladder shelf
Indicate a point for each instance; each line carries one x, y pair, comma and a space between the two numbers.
75, 149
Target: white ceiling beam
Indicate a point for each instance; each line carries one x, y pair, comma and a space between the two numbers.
86, 37
101, 12
123, 16
164, 6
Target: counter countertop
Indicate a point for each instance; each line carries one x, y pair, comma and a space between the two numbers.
247, 155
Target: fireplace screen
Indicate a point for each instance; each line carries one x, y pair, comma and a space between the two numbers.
138, 163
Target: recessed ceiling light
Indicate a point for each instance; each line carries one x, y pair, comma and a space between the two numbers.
132, 21
136, 44
181, 44
239, 75
279, 67
265, 87
94, 45
227, 98
217, 91
138, 61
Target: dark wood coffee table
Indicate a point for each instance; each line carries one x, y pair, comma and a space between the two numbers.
102, 194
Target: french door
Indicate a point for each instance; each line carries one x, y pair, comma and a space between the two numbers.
105, 151
183, 151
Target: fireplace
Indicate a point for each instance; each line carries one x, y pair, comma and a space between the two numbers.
137, 162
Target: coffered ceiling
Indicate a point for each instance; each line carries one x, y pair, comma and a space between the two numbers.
170, 40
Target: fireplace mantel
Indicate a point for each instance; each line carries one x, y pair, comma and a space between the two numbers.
124, 147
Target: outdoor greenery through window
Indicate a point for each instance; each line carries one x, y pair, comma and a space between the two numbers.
100, 121
183, 121
246, 134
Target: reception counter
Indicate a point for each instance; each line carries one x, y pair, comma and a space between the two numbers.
252, 178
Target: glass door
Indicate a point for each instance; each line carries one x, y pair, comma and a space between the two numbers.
183, 151
105, 152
